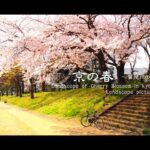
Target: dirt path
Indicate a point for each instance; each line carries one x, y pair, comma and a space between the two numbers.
17, 121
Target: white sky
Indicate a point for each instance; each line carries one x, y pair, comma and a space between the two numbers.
142, 62
11, 17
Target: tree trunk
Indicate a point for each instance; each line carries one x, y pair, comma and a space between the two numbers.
2, 93
17, 90
22, 86
32, 92
20, 90
35, 89
102, 62
120, 73
31, 88
11, 91
132, 74
6, 91
43, 86
148, 72
145, 47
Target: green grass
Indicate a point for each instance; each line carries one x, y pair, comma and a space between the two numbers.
70, 103
147, 131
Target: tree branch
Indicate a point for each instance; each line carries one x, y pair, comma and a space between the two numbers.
89, 49
113, 60
110, 63
128, 26
145, 49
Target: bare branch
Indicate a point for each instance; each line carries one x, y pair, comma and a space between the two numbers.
145, 49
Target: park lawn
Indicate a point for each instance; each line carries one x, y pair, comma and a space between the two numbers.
69, 103
147, 131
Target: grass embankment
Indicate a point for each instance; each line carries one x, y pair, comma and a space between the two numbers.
70, 103
147, 131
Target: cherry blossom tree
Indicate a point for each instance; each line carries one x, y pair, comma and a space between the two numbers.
111, 39
145, 44
43, 45
132, 62
20, 45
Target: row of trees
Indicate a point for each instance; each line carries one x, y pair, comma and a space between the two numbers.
44, 45
12, 83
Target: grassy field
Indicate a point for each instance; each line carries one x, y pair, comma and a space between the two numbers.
70, 103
